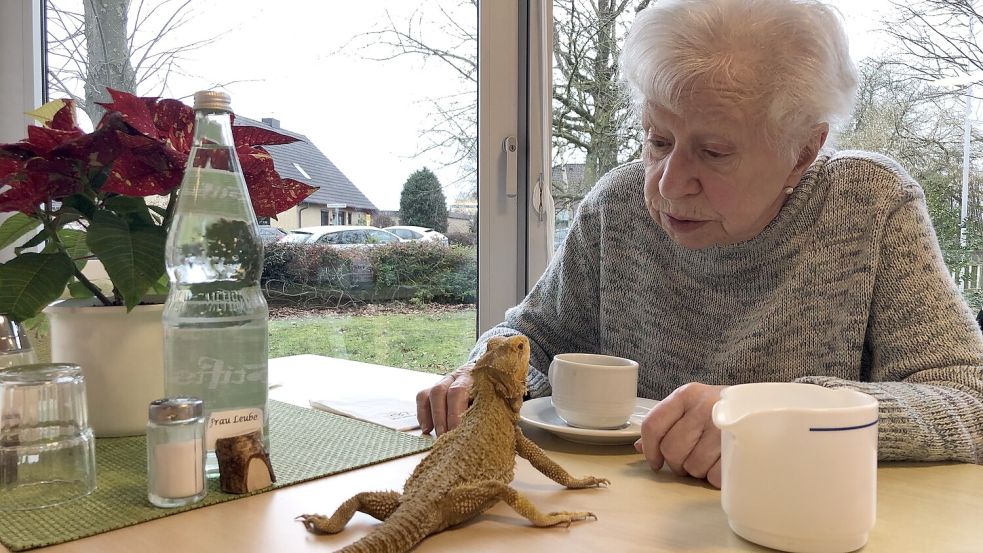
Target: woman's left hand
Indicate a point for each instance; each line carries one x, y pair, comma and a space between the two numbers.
679, 432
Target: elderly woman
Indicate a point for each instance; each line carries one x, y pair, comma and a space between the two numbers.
739, 250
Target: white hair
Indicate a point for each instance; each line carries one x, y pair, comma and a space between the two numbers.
787, 60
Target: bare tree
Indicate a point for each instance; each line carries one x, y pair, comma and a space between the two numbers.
122, 44
451, 37
937, 38
591, 118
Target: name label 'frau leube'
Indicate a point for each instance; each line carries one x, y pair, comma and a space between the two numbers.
234, 419
232, 422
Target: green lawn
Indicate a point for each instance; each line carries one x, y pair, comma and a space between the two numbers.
430, 342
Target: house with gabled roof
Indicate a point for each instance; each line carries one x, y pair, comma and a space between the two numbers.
337, 200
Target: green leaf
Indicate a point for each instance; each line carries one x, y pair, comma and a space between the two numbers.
79, 203
162, 286
74, 242
16, 226
132, 254
133, 206
31, 281
79, 290
37, 240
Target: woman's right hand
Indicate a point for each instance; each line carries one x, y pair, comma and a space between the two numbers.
440, 407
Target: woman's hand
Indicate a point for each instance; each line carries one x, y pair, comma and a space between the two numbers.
440, 407
679, 432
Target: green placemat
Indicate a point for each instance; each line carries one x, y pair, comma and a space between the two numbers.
306, 444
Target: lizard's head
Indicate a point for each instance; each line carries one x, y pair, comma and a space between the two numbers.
504, 365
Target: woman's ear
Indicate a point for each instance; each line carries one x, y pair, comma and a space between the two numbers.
809, 152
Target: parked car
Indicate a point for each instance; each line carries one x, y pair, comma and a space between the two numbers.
341, 236
411, 233
271, 234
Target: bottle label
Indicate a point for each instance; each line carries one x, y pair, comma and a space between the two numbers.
234, 422
224, 363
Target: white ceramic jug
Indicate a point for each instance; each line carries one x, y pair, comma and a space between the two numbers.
799, 465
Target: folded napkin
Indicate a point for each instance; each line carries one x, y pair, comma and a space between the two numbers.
398, 414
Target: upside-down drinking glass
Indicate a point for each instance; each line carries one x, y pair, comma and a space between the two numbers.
47, 450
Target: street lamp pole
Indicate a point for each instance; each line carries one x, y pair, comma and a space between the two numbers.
967, 136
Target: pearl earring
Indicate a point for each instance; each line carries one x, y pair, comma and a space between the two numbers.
789, 190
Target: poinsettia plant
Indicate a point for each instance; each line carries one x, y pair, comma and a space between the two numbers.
80, 196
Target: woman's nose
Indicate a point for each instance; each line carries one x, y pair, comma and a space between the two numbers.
678, 176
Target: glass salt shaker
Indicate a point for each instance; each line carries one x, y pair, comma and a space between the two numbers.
176, 452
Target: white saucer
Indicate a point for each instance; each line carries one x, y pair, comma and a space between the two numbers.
539, 412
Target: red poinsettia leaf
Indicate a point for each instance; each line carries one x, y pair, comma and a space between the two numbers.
254, 160
8, 166
246, 135
41, 181
23, 199
64, 119
42, 140
146, 172
272, 195
136, 111
96, 149
175, 124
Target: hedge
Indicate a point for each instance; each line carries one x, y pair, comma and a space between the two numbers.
323, 274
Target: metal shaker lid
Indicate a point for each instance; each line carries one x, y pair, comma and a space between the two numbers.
12, 337
171, 410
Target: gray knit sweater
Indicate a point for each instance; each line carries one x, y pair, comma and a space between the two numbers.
844, 288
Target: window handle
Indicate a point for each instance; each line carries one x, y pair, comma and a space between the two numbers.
511, 168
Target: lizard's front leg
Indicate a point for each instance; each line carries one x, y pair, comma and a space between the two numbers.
467, 500
527, 449
376, 504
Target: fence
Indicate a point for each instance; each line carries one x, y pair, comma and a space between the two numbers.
968, 272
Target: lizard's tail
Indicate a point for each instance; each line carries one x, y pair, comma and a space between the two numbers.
397, 534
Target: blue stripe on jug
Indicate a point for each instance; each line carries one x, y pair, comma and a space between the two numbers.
841, 428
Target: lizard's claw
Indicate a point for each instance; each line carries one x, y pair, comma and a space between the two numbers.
557, 518
317, 524
589, 482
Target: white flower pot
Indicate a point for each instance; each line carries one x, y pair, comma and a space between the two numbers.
121, 355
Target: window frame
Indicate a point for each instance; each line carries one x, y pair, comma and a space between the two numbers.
503, 111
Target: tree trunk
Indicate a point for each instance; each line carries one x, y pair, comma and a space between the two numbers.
108, 53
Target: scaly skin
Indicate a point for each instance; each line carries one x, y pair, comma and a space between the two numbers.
467, 471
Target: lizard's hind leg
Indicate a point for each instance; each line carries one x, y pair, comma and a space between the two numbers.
377, 504
466, 501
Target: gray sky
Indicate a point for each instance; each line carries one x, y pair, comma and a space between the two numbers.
293, 60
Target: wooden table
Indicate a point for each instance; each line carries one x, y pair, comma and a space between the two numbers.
921, 508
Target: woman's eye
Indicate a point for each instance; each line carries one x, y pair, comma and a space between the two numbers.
714, 154
658, 143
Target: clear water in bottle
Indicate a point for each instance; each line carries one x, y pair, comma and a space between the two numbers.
215, 317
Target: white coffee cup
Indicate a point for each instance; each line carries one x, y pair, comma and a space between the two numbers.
592, 390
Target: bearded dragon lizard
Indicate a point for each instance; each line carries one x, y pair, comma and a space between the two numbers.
467, 471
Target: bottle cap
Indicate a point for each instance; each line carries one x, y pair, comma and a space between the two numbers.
12, 337
213, 100
175, 409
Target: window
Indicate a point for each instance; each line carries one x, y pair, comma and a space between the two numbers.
301, 171
912, 107
211, 47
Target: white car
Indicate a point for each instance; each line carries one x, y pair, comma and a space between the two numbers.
411, 233
342, 236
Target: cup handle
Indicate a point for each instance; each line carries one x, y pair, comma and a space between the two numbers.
549, 372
